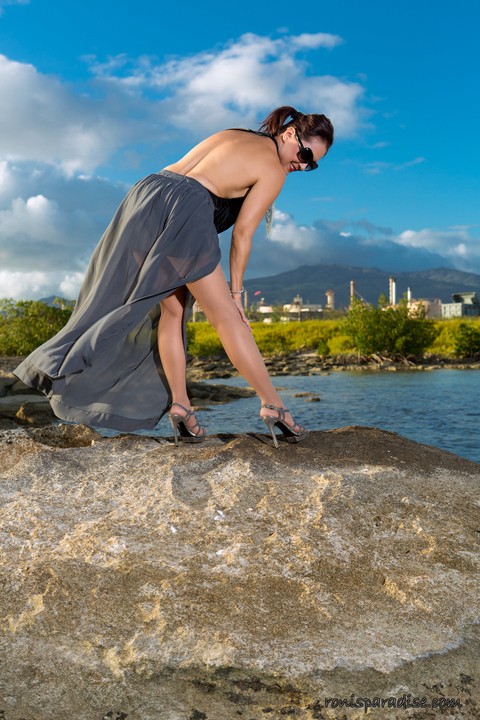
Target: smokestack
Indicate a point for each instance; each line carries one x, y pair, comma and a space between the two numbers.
330, 300
392, 291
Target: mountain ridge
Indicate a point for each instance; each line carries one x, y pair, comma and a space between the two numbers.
313, 281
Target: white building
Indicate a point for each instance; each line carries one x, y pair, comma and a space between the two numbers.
462, 304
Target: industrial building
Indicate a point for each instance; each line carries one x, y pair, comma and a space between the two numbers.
463, 304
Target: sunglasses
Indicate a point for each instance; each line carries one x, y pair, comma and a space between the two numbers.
305, 155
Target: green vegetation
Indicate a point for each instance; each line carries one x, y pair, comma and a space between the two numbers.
467, 340
389, 331
272, 339
26, 324
365, 330
459, 337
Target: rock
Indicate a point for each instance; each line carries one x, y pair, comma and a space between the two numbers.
229, 580
65, 435
11, 404
200, 392
7, 424
7, 379
9, 363
19, 388
36, 413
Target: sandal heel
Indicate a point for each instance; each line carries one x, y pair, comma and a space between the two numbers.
174, 419
290, 434
181, 431
270, 423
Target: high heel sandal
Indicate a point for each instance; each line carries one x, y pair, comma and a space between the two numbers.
180, 428
289, 432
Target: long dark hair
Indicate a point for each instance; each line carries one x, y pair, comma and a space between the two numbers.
312, 125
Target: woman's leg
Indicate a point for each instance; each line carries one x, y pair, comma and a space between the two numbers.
213, 295
172, 351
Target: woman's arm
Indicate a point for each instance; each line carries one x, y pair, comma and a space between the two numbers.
259, 198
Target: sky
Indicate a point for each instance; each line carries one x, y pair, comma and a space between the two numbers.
96, 94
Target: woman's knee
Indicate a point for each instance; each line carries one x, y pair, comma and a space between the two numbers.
173, 306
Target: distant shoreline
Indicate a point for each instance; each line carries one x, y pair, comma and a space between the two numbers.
303, 363
309, 363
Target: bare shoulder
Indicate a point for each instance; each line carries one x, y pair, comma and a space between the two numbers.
232, 163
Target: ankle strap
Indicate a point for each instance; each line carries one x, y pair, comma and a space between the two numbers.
281, 411
189, 412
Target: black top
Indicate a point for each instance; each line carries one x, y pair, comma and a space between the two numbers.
227, 209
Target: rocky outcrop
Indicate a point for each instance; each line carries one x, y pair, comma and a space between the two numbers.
230, 581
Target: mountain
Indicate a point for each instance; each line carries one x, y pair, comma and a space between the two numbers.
50, 300
312, 282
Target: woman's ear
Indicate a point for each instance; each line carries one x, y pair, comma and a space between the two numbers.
288, 134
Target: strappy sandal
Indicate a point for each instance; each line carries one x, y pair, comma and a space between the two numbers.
180, 428
289, 433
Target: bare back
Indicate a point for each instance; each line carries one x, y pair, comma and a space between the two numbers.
233, 163
230, 162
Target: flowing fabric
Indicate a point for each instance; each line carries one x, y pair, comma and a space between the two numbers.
103, 367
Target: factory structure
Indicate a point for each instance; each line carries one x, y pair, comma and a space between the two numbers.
463, 304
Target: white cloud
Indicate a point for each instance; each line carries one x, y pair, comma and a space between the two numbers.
144, 101
4, 3
316, 40
45, 120
286, 232
49, 222
70, 285
36, 284
456, 245
359, 244
376, 167
240, 83
53, 136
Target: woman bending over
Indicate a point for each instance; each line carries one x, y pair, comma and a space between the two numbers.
120, 361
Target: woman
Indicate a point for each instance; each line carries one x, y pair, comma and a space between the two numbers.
120, 360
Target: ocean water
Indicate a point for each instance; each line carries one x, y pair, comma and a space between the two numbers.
438, 407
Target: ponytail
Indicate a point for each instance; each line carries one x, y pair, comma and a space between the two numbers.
312, 125
276, 121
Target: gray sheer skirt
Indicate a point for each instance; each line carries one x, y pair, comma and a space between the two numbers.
103, 367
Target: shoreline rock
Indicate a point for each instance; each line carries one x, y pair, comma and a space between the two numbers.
310, 363
231, 580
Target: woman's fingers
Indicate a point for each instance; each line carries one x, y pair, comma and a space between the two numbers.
242, 314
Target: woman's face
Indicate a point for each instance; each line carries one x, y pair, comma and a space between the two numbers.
289, 147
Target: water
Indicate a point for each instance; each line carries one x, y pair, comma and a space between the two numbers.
440, 407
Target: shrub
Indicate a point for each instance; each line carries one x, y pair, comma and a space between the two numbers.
323, 347
26, 324
271, 338
444, 341
341, 345
467, 340
389, 331
202, 340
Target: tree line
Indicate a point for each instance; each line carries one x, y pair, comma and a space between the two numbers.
365, 329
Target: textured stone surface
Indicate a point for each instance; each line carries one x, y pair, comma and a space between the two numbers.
229, 581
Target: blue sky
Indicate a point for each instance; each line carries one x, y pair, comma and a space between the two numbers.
94, 95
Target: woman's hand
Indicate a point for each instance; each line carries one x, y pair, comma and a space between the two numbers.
237, 299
